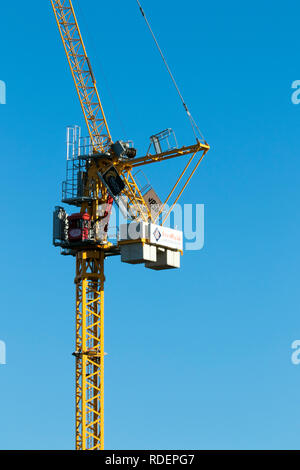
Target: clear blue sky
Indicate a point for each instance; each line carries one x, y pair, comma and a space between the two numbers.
198, 358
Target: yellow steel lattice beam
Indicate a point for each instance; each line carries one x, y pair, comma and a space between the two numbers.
173, 153
193, 150
90, 350
82, 73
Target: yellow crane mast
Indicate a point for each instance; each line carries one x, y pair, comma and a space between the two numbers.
101, 176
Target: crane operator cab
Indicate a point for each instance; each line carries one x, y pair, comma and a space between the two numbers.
79, 227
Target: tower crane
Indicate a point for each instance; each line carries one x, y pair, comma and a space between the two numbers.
100, 173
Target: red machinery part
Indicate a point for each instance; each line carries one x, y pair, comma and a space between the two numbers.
79, 227
109, 204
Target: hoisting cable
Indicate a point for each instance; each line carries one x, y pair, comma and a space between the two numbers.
191, 119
